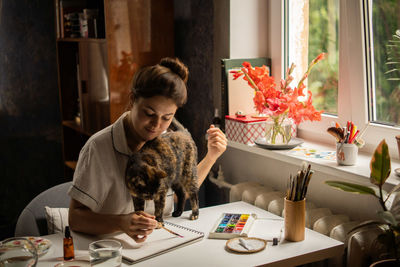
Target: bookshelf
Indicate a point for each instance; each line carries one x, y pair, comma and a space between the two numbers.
97, 57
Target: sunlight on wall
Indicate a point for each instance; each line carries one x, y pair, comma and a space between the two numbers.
298, 37
249, 28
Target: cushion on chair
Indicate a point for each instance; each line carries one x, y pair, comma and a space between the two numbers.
32, 220
57, 219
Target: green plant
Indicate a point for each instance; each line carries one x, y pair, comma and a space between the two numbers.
393, 56
380, 171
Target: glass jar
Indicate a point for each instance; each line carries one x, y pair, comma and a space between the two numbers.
278, 131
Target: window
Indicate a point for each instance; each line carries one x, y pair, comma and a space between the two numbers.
311, 35
384, 44
352, 83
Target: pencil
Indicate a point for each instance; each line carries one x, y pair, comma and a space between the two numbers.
172, 232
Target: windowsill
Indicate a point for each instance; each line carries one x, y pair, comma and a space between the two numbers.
358, 173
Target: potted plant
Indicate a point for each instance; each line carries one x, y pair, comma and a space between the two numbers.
380, 171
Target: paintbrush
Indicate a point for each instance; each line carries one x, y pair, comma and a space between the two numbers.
308, 181
168, 230
338, 133
358, 140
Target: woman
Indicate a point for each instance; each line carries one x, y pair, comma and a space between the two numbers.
100, 201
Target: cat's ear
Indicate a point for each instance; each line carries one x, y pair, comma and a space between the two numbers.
160, 174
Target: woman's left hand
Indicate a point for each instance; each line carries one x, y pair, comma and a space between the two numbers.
217, 142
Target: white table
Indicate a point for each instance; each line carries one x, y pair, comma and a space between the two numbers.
212, 252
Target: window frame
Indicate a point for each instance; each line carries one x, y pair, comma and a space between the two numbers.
353, 74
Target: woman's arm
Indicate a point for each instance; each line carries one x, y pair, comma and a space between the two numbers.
137, 224
216, 145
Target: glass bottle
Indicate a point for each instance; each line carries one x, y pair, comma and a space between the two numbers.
68, 245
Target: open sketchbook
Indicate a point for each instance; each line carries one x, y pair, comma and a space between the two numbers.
159, 242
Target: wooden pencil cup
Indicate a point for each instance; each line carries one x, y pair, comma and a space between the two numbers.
295, 220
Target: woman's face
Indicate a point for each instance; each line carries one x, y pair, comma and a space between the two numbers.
151, 116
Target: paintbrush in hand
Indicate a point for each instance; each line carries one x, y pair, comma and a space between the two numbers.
168, 230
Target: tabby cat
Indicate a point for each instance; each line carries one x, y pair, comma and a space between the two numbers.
169, 160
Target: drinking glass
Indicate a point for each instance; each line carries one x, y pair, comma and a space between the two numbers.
18, 252
105, 252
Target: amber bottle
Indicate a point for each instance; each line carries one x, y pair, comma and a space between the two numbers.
68, 245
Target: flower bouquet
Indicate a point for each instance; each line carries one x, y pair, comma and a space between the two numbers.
279, 102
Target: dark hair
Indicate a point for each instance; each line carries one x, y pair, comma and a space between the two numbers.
168, 78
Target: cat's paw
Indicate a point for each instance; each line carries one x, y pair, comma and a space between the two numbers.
194, 216
177, 213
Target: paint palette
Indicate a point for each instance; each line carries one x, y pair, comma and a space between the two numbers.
231, 225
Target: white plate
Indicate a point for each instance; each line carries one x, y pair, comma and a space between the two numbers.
397, 171
261, 141
42, 244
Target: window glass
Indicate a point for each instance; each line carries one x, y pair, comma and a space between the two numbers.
312, 29
383, 17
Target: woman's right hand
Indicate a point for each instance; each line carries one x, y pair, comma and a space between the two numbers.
138, 225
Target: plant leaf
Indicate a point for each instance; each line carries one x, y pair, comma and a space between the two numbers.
388, 217
392, 70
380, 164
352, 188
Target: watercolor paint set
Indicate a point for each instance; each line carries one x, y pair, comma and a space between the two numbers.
231, 225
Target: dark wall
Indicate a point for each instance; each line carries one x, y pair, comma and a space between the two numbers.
194, 46
30, 135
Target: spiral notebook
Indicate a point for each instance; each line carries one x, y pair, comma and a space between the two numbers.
157, 243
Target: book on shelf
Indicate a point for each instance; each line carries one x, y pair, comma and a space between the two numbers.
88, 23
227, 64
68, 17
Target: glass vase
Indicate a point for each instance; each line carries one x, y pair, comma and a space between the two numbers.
278, 131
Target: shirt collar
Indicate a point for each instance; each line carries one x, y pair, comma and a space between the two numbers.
119, 138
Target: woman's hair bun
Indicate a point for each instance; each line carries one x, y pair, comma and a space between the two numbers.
176, 66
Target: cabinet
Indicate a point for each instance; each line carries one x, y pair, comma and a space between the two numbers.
97, 57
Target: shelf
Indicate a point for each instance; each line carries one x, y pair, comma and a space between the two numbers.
358, 173
75, 126
71, 164
90, 69
77, 40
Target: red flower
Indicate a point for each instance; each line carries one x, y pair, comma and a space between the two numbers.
280, 100
319, 58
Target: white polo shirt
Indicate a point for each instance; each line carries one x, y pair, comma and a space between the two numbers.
99, 178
